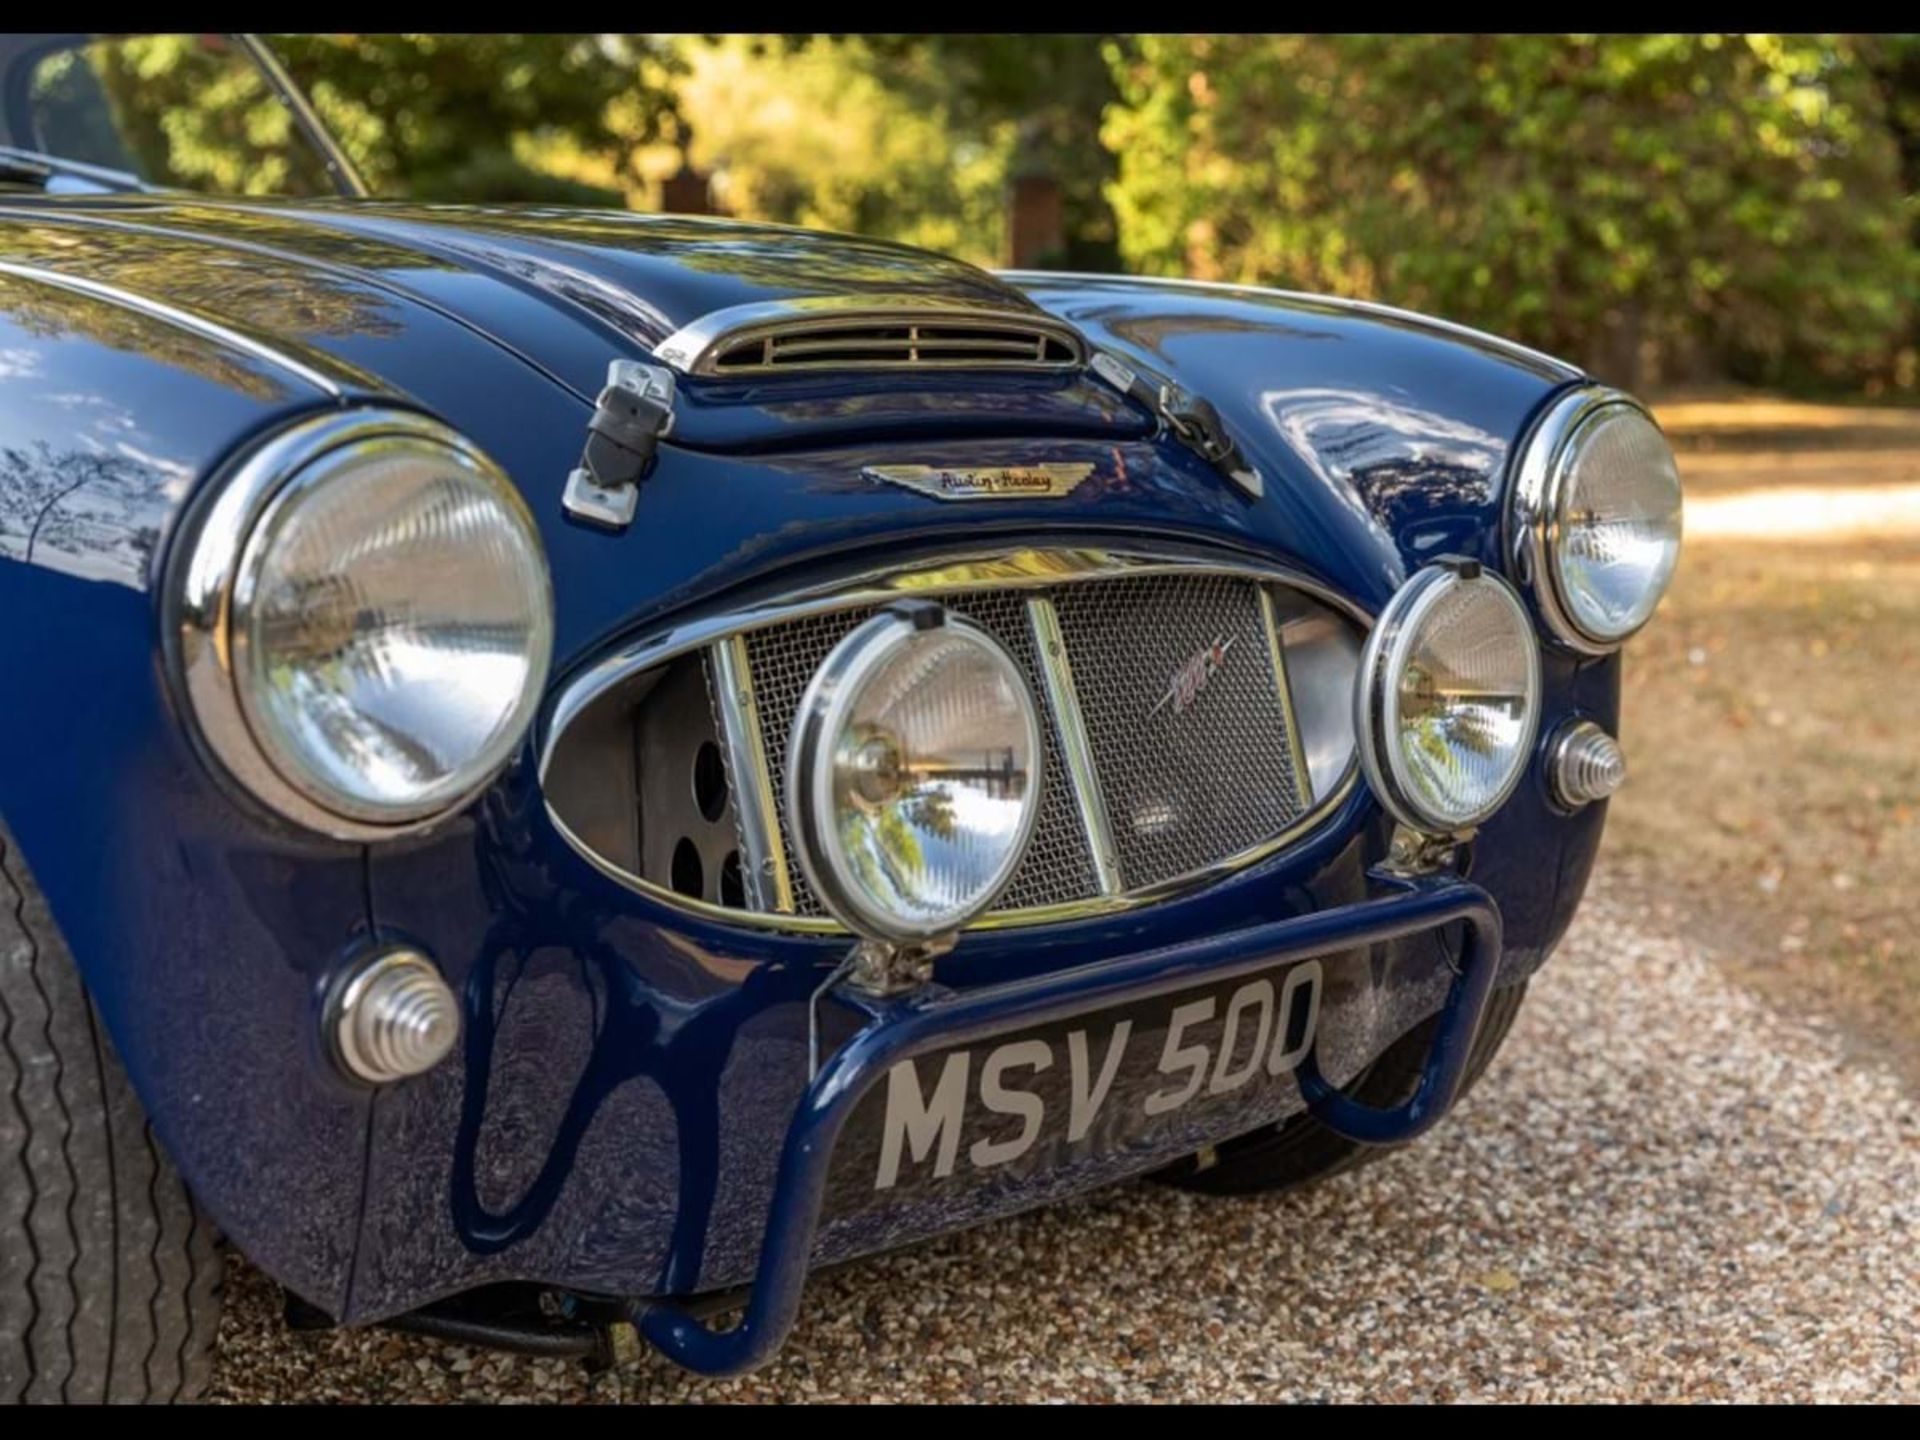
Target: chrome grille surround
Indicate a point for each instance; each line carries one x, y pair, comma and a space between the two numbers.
781, 642
869, 332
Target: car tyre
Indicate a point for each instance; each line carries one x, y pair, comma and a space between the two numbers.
1300, 1150
109, 1278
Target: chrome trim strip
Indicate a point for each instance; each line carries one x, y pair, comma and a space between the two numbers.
1283, 684
200, 606
1075, 746
1029, 569
346, 178
1067, 910
693, 348
769, 884
180, 319
1034, 568
1338, 302
1037, 914
1532, 519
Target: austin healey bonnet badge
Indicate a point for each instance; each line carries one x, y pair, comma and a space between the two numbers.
986, 482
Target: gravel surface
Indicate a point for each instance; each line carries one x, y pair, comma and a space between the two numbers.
1661, 1190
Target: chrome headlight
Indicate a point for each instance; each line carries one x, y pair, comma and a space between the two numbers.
1596, 518
1447, 701
913, 774
364, 622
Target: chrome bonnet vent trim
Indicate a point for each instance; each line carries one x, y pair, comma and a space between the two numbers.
869, 333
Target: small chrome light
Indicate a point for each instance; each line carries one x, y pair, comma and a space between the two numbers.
1446, 704
1585, 764
391, 1016
913, 775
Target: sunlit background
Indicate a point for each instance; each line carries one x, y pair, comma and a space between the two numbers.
1665, 208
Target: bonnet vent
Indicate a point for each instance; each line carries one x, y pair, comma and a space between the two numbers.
874, 340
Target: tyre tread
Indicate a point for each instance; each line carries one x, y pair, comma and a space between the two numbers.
109, 1280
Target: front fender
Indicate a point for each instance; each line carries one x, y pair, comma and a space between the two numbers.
1402, 428
200, 934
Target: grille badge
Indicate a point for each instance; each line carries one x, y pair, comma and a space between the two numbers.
1192, 676
986, 482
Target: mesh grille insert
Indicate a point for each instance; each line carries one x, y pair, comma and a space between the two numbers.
1176, 690
1183, 715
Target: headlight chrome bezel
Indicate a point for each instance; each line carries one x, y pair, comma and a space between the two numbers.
821, 715
207, 589
1376, 687
1533, 518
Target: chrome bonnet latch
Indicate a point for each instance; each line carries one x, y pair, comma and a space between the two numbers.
631, 417
1191, 419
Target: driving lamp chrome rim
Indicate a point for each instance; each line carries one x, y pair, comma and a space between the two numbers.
823, 710
209, 585
1533, 519
1376, 693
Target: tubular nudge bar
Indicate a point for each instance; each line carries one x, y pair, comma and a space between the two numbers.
919, 1024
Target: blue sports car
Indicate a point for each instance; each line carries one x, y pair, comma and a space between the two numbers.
563, 769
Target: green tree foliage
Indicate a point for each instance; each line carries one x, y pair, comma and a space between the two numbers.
1053, 90
1656, 206
455, 117
186, 110
1894, 63
814, 131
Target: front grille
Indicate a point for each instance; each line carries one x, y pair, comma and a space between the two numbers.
866, 344
1190, 775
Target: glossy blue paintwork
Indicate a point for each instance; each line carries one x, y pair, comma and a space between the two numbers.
628, 1074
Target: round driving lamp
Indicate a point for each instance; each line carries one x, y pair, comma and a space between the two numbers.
364, 622
1596, 518
913, 775
1447, 699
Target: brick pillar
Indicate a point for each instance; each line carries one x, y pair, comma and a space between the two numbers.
687, 192
1036, 228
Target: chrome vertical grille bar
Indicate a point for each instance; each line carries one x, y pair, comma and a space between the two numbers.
1183, 718
769, 885
1270, 620
1057, 674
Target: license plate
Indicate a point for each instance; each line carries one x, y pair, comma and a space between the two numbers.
1134, 1077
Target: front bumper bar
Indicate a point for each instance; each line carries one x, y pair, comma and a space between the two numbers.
922, 1023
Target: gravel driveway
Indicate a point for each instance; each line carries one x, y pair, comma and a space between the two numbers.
1660, 1191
